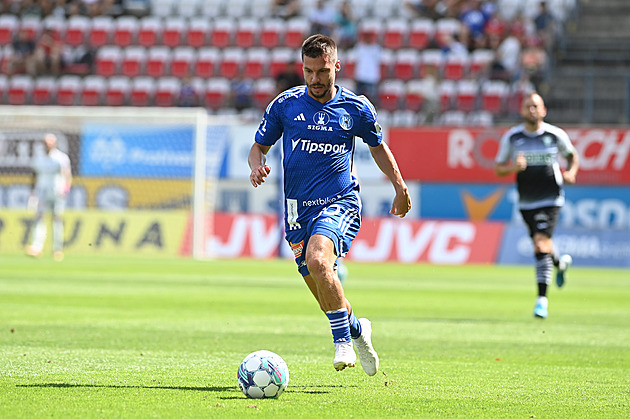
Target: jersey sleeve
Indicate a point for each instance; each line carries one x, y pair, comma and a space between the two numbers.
505, 149
270, 128
369, 130
565, 146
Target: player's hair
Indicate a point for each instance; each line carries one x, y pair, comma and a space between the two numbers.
319, 45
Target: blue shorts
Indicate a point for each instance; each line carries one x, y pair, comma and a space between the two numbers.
339, 221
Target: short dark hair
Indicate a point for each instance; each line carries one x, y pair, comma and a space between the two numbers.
319, 45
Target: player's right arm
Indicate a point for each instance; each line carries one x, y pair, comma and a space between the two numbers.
257, 160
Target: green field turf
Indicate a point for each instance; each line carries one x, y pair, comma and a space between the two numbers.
135, 337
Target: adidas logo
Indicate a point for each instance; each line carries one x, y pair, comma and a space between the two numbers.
300, 117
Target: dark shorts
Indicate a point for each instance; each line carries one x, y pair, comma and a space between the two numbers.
541, 220
339, 221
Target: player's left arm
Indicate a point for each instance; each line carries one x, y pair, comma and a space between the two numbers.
571, 155
385, 160
66, 172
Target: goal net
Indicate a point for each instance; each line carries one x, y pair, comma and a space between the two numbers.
144, 179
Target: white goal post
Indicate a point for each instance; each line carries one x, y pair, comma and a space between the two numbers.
170, 143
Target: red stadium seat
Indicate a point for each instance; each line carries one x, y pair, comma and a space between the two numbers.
297, 29
450, 26
448, 90
395, 33
198, 30
117, 91
264, 92
217, 92
20, 89
142, 91
167, 91
247, 32
280, 57
158, 61
101, 32
414, 97
93, 91
150, 31
222, 32
232, 60
9, 25
431, 59
452, 118
182, 62
271, 33
174, 32
421, 33
456, 66
33, 25
133, 61
78, 30
44, 90
56, 25
255, 65
494, 94
406, 63
466, 95
68, 90
390, 94
480, 61
207, 62
125, 30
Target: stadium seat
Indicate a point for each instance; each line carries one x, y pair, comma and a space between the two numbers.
404, 118
480, 61
260, 9
4, 87
447, 90
68, 89
271, 33
247, 32
450, 26
297, 29
101, 31
182, 62
44, 90
207, 62
255, 65
431, 58
93, 90
396, 33
20, 89
466, 95
264, 91
347, 83
494, 94
158, 61
414, 97
388, 61
32, 24
406, 63
212, 8
187, 8
125, 30
222, 32
133, 61
150, 31
348, 64
279, 59
421, 33
78, 30
163, 8
456, 66
142, 91
237, 8
216, 92
452, 118
57, 25
174, 32
231, 62
480, 118
117, 91
9, 25
167, 91
390, 94
371, 26
198, 30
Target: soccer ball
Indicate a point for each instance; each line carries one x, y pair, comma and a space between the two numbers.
263, 374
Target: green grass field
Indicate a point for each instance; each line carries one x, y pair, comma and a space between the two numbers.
134, 337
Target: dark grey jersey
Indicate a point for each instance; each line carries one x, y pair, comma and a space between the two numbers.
540, 184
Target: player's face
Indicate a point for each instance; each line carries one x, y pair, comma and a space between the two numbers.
533, 109
50, 141
319, 75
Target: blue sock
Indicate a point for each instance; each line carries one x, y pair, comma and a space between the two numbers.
355, 326
339, 325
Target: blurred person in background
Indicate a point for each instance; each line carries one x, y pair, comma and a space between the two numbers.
22, 59
285, 9
318, 123
48, 53
52, 178
322, 18
367, 69
531, 150
346, 26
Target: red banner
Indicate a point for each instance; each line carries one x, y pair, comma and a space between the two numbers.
467, 154
385, 239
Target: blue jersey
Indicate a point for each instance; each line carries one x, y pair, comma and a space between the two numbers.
318, 143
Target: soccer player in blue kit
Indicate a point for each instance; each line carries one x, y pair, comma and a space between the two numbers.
531, 150
318, 123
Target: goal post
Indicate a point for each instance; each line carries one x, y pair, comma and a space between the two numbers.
123, 159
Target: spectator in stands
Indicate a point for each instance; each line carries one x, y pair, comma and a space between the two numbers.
474, 19
534, 64
432, 9
241, 93
449, 43
346, 26
285, 9
188, 96
322, 18
30, 8
545, 25
430, 91
367, 73
509, 52
48, 53
23, 57
288, 78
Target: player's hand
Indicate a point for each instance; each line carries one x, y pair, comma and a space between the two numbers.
258, 175
569, 177
401, 204
520, 163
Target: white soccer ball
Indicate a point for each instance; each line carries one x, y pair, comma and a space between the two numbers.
263, 374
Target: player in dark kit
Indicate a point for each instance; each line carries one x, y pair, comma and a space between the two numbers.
531, 151
318, 123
